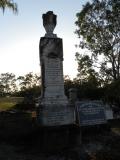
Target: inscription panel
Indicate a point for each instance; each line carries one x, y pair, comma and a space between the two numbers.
54, 78
54, 116
90, 113
53, 71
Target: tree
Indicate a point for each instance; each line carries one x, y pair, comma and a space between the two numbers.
99, 31
28, 81
68, 83
112, 93
8, 4
1, 89
86, 71
8, 83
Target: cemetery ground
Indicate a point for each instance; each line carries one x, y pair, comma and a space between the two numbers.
20, 138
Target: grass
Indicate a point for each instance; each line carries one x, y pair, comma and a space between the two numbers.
11, 99
116, 130
7, 103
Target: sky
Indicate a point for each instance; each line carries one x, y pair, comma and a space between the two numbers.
20, 34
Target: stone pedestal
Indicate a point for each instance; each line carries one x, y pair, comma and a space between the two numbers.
56, 115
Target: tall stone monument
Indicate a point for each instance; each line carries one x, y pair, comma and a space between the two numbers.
54, 108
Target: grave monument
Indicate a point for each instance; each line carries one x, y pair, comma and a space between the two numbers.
61, 119
54, 108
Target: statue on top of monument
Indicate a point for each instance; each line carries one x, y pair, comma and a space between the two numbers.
49, 23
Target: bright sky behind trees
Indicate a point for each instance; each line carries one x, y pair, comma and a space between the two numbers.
20, 34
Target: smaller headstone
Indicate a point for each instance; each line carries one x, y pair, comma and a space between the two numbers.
90, 113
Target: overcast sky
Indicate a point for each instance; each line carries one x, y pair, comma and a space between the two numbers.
20, 34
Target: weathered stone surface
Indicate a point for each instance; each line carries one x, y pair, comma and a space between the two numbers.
51, 58
56, 115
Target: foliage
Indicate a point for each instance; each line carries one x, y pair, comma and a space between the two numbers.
86, 71
68, 84
28, 81
88, 90
29, 86
88, 81
99, 31
85, 89
35, 91
7, 83
113, 93
8, 4
26, 85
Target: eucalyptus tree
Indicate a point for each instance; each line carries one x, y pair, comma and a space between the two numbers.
28, 81
8, 83
8, 4
98, 27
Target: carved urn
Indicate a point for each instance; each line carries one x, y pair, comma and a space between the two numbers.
49, 22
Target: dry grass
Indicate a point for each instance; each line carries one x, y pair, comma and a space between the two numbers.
7, 103
116, 131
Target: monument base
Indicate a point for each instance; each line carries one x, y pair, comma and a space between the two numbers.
57, 127
55, 115
60, 137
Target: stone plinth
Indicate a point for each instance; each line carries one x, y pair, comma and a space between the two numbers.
56, 115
